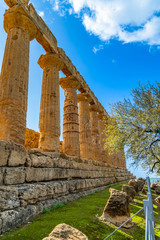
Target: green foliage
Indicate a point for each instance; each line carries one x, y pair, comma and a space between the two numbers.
45, 210
83, 214
136, 125
59, 205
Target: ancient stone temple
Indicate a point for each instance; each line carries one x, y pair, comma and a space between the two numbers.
32, 179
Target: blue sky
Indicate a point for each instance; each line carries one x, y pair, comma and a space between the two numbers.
114, 45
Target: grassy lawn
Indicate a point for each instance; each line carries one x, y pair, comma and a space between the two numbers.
83, 214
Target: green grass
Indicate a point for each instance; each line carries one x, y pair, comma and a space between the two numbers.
83, 214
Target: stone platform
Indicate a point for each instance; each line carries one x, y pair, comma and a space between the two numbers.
33, 180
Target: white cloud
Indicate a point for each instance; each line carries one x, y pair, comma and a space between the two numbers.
96, 49
125, 20
41, 14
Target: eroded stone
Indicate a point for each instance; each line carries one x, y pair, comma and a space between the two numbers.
14, 176
134, 184
66, 232
130, 191
117, 210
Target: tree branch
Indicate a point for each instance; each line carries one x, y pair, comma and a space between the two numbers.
153, 154
154, 165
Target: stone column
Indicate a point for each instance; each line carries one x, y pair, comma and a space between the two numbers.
95, 134
49, 121
123, 159
71, 145
86, 150
101, 125
14, 75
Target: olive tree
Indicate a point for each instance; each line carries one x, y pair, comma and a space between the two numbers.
135, 124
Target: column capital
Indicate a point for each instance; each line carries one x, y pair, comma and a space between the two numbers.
69, 82
93, 108
84, 97
50, 59
16, 17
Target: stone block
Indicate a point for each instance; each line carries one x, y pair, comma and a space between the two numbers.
130, 191
14, 175
134, 184
46, 174
32, 193
157, 189
153, 186
61, 189
141, 184
34, 174
17, 158
8, 198
117, 210
64, 231
1, 175
13, 218
4, 153
41, 161
8, 219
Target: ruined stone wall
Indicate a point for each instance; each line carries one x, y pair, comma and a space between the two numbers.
32, 180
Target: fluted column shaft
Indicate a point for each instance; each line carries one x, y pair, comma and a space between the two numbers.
101, 125
86, 150
71, 145
97, 154
49, 120
14, 76
123, 159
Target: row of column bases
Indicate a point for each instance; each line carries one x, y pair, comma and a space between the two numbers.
82, 130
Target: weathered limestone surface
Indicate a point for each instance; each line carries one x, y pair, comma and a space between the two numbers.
101, 125
46, 178
12, 154
86, 150
14, 75
157, 189
130, 191
123, 159
65, 232
153, 186
157, 200
141, 184
97, 153
134, 184
71, 144
49, 121
31, 139
117, 210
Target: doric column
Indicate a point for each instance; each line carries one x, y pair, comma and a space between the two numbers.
49, 120
95, 133
123, 159
101, 125
71, 145
86, 150
14, 75
118, 159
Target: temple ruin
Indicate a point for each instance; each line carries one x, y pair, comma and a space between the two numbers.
34, 179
